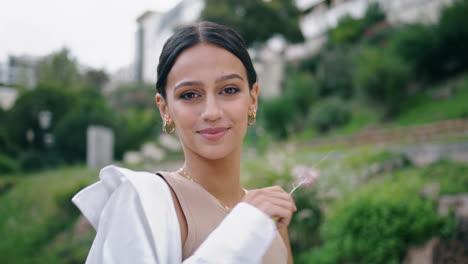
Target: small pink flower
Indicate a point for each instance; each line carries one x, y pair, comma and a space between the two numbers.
304, 176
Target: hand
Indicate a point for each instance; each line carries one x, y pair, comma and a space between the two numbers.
273, 201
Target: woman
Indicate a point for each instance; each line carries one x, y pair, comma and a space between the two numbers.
207, 91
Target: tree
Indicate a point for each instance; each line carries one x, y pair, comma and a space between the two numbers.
96, 79
60, 70
23, 116
275, 17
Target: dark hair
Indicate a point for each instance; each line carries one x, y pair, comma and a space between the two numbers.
203, 32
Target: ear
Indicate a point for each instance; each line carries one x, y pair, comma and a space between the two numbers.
254, 98
162, 106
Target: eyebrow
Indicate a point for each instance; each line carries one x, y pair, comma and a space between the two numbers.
220, 79
227, 77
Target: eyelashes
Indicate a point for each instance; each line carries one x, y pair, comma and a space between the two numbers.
230, 90
189, 95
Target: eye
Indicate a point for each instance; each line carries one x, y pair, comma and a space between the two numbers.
230, 90
189, 95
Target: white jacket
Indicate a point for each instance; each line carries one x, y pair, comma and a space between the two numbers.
136, 222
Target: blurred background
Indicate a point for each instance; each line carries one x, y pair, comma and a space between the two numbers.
371, 95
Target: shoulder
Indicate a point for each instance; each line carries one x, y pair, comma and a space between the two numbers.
131, 208
120, 184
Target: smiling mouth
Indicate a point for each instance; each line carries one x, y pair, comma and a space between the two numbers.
213, 133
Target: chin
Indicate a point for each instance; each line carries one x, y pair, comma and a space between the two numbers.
215, 152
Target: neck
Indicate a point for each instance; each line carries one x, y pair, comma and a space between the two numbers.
219, 177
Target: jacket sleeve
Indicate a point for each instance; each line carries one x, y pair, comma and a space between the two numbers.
136, 222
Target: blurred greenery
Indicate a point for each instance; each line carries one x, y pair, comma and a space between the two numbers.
36, 214
280, 17
328, 114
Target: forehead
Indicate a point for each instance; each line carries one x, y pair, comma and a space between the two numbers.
204, 62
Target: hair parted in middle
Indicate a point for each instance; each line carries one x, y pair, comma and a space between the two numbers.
202, 32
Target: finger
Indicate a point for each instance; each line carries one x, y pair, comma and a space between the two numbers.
278, 212
281, 198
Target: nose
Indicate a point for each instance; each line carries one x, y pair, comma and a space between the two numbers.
212, 111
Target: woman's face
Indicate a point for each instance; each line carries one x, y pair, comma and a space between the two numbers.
208, 99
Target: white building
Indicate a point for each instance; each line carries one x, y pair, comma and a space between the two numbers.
20, 71
154, 29
322, 15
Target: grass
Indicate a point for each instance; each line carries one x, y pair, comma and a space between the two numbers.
36, 210
425, 110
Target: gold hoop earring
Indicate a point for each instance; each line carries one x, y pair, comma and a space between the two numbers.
169, 129
252, 119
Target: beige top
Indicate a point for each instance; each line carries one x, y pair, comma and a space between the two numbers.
204, 213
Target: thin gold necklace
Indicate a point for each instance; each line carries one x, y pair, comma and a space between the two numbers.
184, 174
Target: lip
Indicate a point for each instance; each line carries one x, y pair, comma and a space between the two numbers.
213, 133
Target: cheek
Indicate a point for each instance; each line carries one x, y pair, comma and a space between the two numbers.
239, 113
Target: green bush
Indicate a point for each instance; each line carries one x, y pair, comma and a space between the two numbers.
31, 160
417, 45
279, 115
71, 131
136, 126
435, 51
328, 114
8, 165
334, 73
377, 224
350, 30
284, 115
382, 77
303, 89
24, 114
453, 38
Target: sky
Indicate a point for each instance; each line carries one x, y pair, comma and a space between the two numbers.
99, 33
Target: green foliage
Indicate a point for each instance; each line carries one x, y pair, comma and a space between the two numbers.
417, 45
95, 79
422, 108
138, 121
377, 224
383, 78
60, 70
36, 213
328, 114
453, 38
8, 165
283, 115
309, 64
135, 127
278, 16
334, 73
350, 30
71, 131
279, 116
8, 146
303, 89
133, 95
436, 51
24, 114
453, 178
